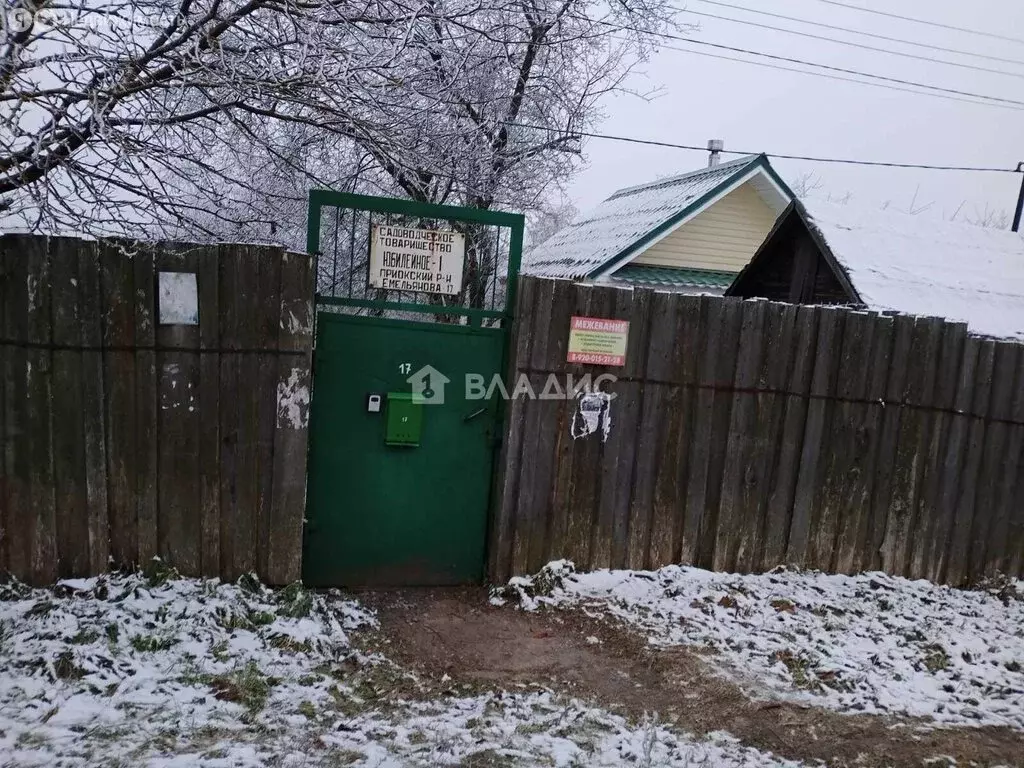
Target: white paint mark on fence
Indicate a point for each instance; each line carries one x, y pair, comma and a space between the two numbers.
293, 401
33, 291
175, 396
593, 412
293, 323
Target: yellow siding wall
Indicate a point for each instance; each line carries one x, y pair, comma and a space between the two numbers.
724, 237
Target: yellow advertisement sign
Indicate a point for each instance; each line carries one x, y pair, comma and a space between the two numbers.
595, 341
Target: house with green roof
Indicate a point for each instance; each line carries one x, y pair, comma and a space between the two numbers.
691, 233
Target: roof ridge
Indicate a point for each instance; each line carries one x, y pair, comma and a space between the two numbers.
688, 176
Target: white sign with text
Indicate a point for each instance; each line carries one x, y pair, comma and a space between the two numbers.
419, 260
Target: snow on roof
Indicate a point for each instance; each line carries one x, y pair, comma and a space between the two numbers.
624, 218
923, 266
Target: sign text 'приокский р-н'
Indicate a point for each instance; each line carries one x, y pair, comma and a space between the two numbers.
419, 260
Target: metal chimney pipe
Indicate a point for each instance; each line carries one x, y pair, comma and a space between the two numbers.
715, 147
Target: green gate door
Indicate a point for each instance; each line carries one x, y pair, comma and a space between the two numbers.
401, 460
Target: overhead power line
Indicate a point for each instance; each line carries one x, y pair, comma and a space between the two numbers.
846, 71
850, 30
841, 78
987, 100
695, 148
778, 156
862, 46
926, 22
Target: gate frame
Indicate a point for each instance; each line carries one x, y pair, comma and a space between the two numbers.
514, 222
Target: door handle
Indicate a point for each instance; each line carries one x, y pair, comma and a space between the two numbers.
474, 414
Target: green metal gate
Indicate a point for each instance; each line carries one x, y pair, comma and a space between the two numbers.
402, 453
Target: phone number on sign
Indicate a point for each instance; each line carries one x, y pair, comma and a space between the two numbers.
589, 358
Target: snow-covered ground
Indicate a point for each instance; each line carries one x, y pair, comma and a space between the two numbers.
138, 667
532, 729
868, 643
163, 671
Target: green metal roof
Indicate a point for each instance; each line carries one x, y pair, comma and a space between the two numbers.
674, 277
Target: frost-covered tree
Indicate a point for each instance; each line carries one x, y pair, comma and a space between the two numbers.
113, 112
493, 97
214, 116
545, 222
483, 105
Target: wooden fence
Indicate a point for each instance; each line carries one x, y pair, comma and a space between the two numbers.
746, 435
124, 438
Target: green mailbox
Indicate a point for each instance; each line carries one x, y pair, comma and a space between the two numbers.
403, 420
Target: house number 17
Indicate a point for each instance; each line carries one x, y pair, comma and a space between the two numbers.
405, 368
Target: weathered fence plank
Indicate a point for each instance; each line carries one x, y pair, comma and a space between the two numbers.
843, 458
1012, 492
531, 509
247, 414
294, 342
267, 327
713, 402
39, 387
548, 356
667, 532
72, 521
208, 397
93, 398
958, 563
782, 491
851, 440
996, 460
534, 505
954, 456
950, 357
772, 381
888, 438
16, 443
738, 478
619, 450
999, 540
178, 426
118, 301
552, 545
13, 294
146, 406
586, 458
231, 264
911, 444
650, 439
855, 529
725, 376
502, 533
813, 454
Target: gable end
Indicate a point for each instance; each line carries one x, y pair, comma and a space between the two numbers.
794, 265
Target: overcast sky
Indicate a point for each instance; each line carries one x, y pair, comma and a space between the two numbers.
757, 109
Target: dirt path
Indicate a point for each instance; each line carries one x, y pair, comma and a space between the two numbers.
455, 632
